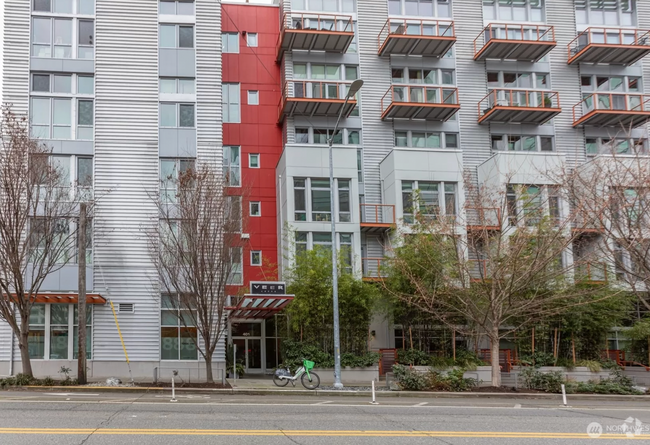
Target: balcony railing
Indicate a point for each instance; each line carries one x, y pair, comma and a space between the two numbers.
371, 268
516, 42
377, 216
612, 109
609, 45
420, 102
479, 270
318, 32
591, 272
416, 37
520, 106
315, 98
483, 218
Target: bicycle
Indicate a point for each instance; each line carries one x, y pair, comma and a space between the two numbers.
309, 380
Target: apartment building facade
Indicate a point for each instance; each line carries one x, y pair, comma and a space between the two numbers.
128, 92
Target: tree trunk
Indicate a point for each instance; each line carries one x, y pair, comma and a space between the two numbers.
81, 305
648, 350
208, 367
494, 358
23, 342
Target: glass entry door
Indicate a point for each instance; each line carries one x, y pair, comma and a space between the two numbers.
248, 338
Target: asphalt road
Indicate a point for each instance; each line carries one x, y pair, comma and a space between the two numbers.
28, 418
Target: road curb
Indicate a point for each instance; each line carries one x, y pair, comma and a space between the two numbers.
333, 393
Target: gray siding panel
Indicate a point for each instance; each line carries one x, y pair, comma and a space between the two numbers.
15, 74
375, 71
126, 175
565, 80
643, 19
471, 82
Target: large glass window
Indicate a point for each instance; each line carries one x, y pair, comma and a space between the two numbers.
173, 85
170, 170
606, 12
343, 136
418, 139
428, 199
514, 10
321, 200
176, 36
230, 102
53, 331
230, 42
182, 7
232, 166
312, 199
420, 8
528, 204
618, 146
177, 115
178, 333
522, 143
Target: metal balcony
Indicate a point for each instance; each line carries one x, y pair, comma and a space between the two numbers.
614, 46
315, 98
431, 38
519, 106
482, 219
377, 218
514, 42
479, 270
315, 32
612, 109
419, 102
371, 269
591, 273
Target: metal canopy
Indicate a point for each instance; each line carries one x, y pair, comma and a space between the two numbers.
259, 307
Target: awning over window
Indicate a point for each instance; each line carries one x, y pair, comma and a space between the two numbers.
66, 298
259, 307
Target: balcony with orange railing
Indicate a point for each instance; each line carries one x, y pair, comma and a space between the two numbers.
483, 218
519, 106
315, 32
479, 270
413, 37
614, 46
315, 98
371, 269
420, 102
591, 272
377, 217
612, 109
503, 41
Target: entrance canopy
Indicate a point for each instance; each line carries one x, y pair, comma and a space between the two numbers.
65, 298
259, 307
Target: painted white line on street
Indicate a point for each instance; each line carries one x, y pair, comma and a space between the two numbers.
322, 403
518, 405
422, 404
65, 394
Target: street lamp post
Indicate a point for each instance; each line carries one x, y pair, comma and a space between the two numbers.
354, 88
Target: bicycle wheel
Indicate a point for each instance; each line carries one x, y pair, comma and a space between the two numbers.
313, 384
280, 382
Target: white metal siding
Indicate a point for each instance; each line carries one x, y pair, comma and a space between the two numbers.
565, 80
643, 20
15, 64
126, 175
375, 71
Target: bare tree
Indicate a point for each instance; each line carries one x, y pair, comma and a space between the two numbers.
198, 253
611, 197
38, 224
504, 264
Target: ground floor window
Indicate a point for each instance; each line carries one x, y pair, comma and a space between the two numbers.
178, 333
54, 332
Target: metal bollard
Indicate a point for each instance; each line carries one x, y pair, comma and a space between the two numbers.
564, 395
174, 373
374, 402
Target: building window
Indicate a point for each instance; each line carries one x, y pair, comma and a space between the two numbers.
421, 8
301, 242
420, 76
230, 42
360, 165
299, 199
620, 146
176, 36
312, 199
323, 240
76, 173
232, 166
514, 10
50, 331
606, 12
236, 273
320, 200
176, 115
255, 208
167, 7
170, 170
528, 204
256, 257
251, 39
515, 80
324, 5
52, 37
253, 160
234, 210
178, 333
344, 200
171, 85
522, 143
85, 7
53, 117
428, 199
418, 139
230, 103
253, 97
343, 136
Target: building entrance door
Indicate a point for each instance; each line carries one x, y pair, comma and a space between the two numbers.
248, 338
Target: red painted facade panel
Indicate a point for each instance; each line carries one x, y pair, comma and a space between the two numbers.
255, 69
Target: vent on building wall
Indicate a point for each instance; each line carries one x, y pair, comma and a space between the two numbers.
126, 308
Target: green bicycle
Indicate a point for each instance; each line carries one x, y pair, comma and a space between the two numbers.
309, 379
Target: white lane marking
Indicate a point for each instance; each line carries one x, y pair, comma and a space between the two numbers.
322, 403
422, 404
65, 394
518, 405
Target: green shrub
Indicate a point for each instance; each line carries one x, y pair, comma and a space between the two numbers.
293, 353
433, 380
23, 380
541, 381
413, 357
359, 361
593, 365
48, 381
468, 360
409, 379
539, 358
